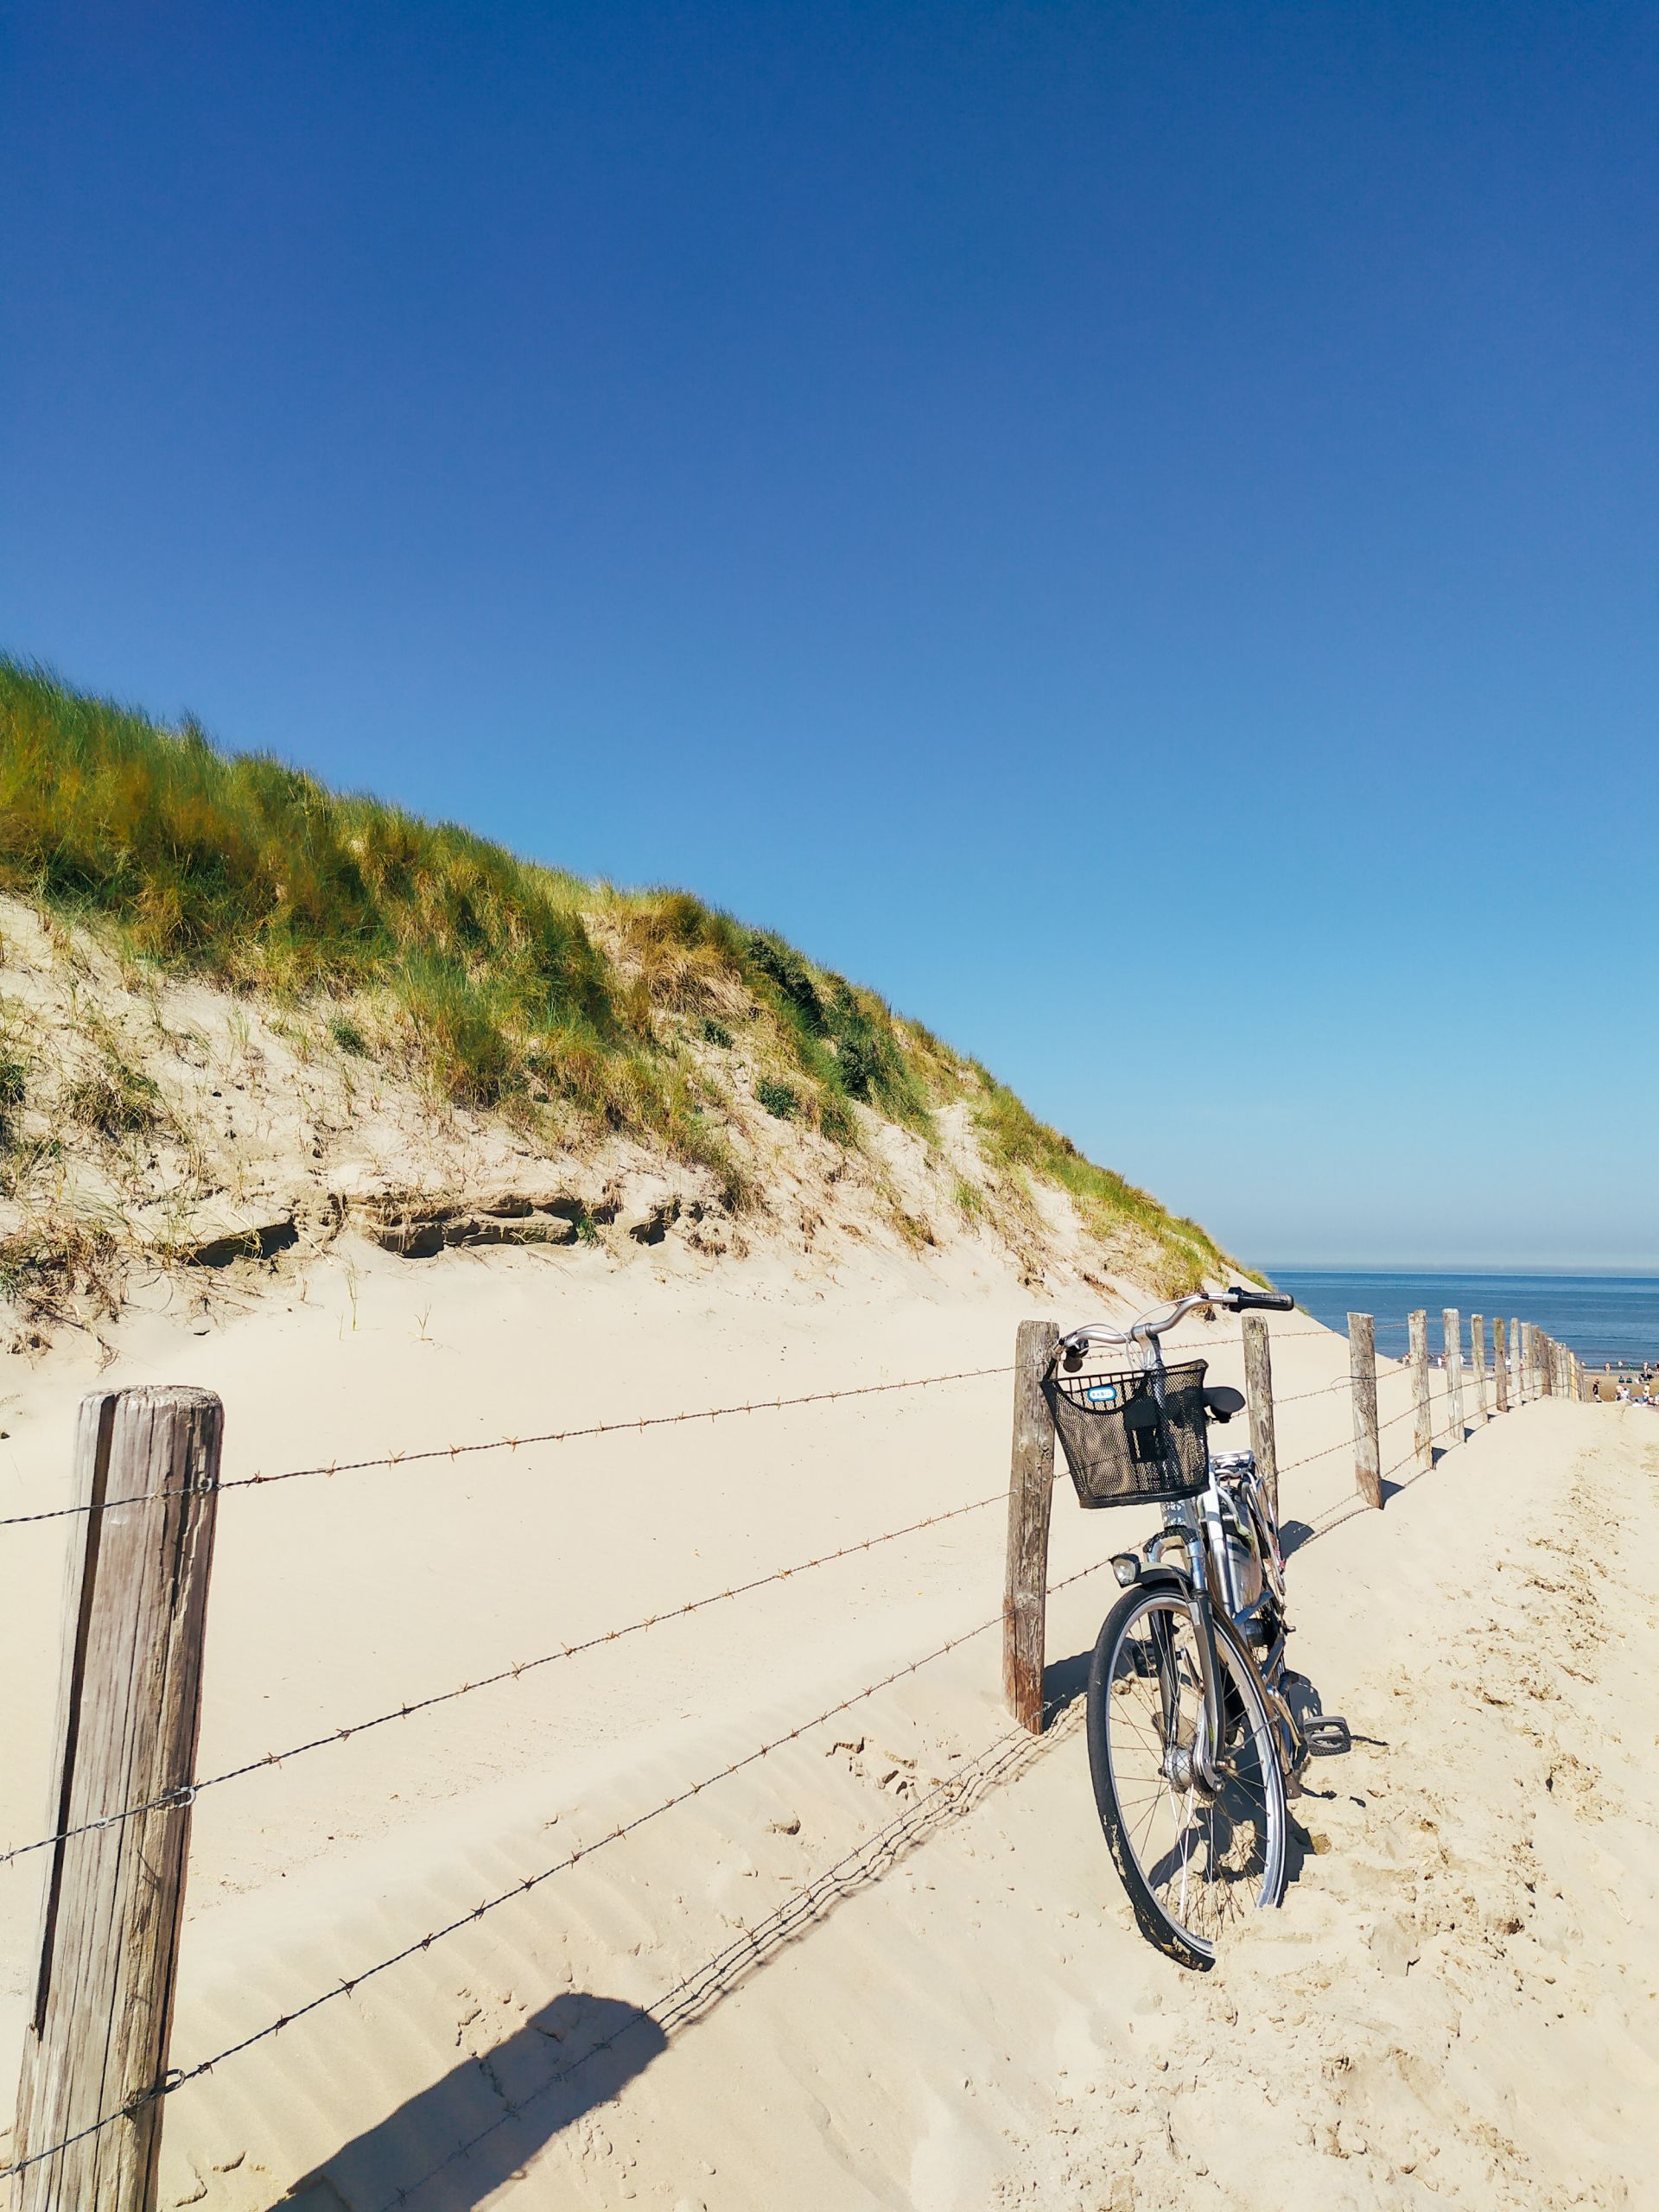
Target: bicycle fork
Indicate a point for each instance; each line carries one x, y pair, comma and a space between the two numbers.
1197, 1765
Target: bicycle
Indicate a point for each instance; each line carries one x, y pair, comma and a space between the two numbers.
1198, 1730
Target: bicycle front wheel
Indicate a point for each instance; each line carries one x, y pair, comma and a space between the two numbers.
1193, 1859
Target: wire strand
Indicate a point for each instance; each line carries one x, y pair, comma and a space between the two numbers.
688, 1997
185, 1793
514, 1443
178, 2077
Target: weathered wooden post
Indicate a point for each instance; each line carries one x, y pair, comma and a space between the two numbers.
1519, 1377
95, 2044
1258, 1391
1362, 1367
1452, 1337
1423, 1429
1500, 1366
1031, 1499
1477, 1359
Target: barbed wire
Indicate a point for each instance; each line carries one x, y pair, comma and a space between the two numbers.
1296, 1397
1344, 1443
1345, 1509
185, 1793
178, 2077
689, 1997
1289, 1467
257, 1481
452, 1452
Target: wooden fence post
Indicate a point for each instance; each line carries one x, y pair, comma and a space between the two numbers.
1500, 1366
1477, 1359
1423, 1430
1362, 1366
130, 1699
1031, 1497
1258, 1389
1452, 1329
1530, 1358
1520, 1376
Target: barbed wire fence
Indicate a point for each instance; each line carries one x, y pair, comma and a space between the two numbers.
184, 1481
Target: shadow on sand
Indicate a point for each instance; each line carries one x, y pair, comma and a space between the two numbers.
449, 2148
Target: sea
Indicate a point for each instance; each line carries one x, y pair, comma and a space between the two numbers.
1602, 1318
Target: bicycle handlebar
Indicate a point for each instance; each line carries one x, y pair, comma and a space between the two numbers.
1148, 1327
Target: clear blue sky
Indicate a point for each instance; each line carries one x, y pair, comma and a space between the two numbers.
1131, 529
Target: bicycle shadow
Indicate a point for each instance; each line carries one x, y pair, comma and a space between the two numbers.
1306, 1704
453, 2145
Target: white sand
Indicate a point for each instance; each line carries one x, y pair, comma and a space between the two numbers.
1457, 2001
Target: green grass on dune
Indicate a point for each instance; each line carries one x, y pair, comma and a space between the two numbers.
249, 871
1013, 1134
505, 984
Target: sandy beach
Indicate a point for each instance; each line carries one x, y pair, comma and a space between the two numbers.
888, 1963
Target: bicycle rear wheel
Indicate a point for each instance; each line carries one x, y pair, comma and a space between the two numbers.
1193, 1860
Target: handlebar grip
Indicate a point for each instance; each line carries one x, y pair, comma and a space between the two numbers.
1262, 1301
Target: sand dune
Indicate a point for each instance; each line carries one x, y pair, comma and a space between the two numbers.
888, 1964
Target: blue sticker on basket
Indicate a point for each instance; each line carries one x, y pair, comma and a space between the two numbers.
1103, 1394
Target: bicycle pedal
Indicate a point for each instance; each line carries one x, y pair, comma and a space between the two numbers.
1326, 1735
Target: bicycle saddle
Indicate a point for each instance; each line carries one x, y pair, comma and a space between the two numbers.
1223, 1401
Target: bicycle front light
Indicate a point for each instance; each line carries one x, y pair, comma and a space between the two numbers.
1127, 1568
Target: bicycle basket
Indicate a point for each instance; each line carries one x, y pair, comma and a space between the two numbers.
1120, 1449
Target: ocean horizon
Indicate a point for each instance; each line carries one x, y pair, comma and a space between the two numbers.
1605, 1316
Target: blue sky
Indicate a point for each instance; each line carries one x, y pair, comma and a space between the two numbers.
1131, 529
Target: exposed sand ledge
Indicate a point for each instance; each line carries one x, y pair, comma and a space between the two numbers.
165, 1127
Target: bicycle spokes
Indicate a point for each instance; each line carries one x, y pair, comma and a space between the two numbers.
1197, 1822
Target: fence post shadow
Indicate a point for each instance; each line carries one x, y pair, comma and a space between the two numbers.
451, 2146
1064, 1681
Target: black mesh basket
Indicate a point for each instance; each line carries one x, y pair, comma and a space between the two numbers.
1120, 1447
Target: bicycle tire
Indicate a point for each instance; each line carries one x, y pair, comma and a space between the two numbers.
1252, 1802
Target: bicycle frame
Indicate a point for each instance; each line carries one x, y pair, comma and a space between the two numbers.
1181, 1520
1198, 1525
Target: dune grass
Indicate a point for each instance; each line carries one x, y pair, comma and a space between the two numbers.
251, 872
505, 985
1019, 1143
